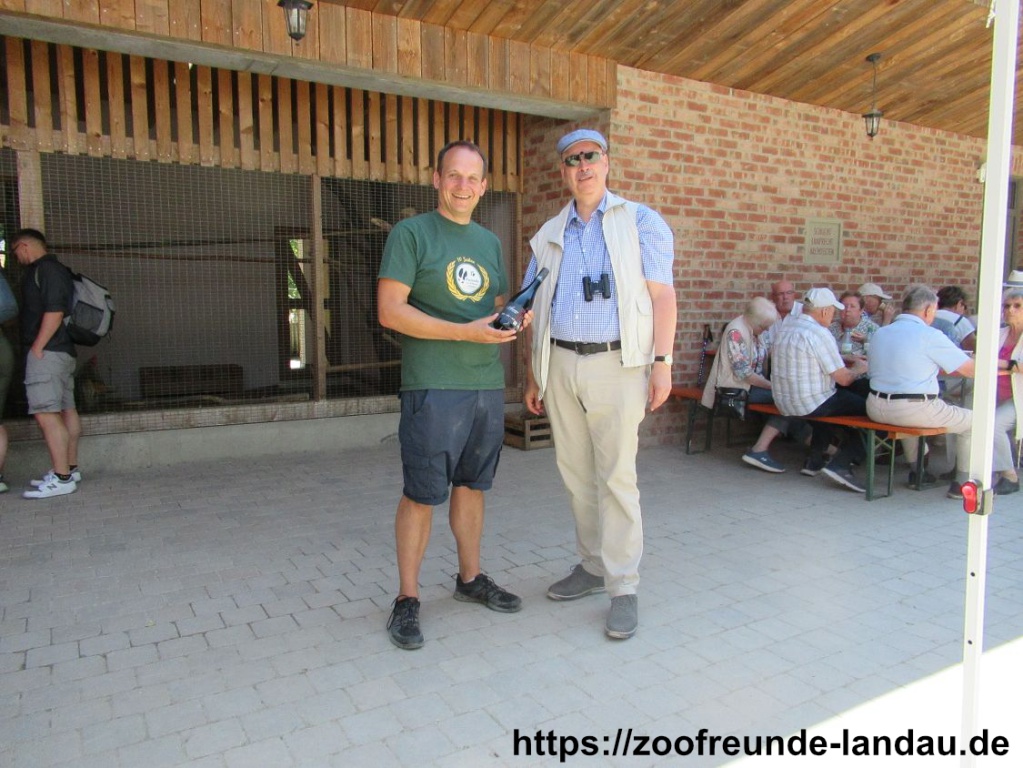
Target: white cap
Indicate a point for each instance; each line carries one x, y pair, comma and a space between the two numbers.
873, 289
1015, 279
819, 298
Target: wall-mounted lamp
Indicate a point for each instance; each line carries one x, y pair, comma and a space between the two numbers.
873, 117
296, 16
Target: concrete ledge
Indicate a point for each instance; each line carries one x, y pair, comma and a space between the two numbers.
141, 450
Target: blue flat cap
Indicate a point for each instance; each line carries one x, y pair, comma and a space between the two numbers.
583, 134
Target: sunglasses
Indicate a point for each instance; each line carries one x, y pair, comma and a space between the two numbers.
573, 161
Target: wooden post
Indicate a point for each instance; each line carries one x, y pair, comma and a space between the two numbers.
30, 190
319, 286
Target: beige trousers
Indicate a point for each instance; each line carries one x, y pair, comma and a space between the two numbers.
929, 413
595, 407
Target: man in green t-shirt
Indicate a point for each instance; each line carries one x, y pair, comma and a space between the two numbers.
441, 283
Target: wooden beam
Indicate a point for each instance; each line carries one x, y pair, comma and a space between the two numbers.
66, 79
31, 211
226, 118
17, 94
94, 139
162, 105
320, 284
183, 105
339, 118
207, 144
139, 109
304, 123
41, 95
116, 106
248, 158
324, 163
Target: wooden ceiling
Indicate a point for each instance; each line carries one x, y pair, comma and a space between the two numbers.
934, 71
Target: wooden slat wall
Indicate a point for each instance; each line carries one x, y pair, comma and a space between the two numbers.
350, 35
326, 130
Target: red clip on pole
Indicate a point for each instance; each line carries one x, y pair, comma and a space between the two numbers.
971, 497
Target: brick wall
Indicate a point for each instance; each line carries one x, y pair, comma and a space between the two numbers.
736, 175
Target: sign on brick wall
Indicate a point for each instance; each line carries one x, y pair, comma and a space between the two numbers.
823, 241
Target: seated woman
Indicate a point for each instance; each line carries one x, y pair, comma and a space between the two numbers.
1009, 394
740, 363
852, 329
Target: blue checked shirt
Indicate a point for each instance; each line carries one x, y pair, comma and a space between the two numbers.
906, 357
572, 317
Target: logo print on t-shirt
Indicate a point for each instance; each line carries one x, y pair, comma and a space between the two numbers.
467, 279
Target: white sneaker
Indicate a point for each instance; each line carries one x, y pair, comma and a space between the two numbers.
4, 488
52, 487
76, 476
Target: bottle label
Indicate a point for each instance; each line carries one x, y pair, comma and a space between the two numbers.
510, 318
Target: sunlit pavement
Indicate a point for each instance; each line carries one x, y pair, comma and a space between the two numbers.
232, 614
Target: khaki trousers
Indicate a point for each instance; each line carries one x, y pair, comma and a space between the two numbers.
595, 408
926, 413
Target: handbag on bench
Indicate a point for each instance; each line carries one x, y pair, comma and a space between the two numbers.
730, 401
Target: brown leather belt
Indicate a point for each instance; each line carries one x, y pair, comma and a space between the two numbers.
587, 347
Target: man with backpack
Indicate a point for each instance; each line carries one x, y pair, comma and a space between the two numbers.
47, 291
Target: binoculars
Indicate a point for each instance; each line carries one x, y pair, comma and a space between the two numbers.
601, 287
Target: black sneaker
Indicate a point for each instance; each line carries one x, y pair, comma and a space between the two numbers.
483, 590
811, 467
955, 490
1005, 486
403, 626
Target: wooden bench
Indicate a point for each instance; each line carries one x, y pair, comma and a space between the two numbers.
880, 438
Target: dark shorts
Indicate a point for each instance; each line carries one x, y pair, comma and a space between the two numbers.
449, 437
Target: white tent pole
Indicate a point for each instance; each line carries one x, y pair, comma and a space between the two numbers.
996, 193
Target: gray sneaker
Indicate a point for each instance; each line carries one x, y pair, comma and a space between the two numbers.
623, 618
762, 460
844, 476
403, 625
579, 583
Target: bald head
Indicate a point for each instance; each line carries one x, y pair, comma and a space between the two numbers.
783, 294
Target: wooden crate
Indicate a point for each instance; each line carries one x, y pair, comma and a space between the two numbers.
526, 431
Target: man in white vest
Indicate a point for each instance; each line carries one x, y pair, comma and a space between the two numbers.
600, 355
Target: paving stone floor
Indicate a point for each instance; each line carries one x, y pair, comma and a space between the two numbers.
231, 615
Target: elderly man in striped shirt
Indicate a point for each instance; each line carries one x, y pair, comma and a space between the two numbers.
806, 367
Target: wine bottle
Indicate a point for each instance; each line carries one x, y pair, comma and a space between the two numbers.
510, 318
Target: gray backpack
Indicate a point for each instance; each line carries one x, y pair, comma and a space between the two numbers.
92, 311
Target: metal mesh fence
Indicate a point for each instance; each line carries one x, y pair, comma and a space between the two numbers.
211, 273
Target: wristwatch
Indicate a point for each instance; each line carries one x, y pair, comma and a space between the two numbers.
666, 359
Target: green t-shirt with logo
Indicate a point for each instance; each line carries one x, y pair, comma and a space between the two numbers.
455, 272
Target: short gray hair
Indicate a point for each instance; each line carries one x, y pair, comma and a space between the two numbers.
1013, 292
919, 297
761, 312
